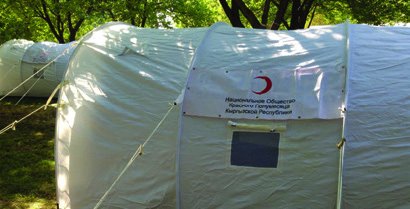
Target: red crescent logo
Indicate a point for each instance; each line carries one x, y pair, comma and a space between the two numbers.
268, 85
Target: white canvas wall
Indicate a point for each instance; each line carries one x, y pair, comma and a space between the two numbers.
121, 79
307, 167
376, 172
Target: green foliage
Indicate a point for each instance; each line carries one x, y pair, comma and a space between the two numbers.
332, 12
15, 23
186, 14
56, 20
66, 20
27, 177
378, 12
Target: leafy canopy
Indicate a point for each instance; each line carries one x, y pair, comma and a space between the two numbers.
67, 20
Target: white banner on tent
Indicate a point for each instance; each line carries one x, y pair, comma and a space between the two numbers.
265, 94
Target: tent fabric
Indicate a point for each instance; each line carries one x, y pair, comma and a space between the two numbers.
377, 150
39, 55
11, 54
120, 81
308, 157
304, 71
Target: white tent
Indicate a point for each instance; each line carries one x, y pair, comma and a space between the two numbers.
130, 74
11, 54
258, 124
21, 59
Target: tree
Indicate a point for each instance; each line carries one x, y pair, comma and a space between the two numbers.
67, 20
299, 11
40, 20
298, 14
60, 15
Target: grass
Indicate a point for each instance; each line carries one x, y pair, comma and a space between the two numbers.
27, 177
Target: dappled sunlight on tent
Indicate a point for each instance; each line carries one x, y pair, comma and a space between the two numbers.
84, 88
101, 51
62, 181
180, 44
133, 40
146, 74
306, 63
69, 115
337, 36
318, 86
89, 84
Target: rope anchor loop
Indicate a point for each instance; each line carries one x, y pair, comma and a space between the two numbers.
341, 143
13, 125
140, 150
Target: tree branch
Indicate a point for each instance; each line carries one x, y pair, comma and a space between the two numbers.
38, 10
249, 15
265, 12
49, 22
274, 2
227, 9
144, 14
232, 14
280, 14
73, 30
235, 15
311, 18
308, 7
285, 23
304, 13
294, 21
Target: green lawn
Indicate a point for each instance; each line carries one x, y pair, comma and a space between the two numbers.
27, 177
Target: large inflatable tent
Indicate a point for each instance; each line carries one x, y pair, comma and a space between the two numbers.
225, 117
21, 59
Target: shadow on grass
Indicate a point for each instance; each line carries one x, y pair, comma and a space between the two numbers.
27, 177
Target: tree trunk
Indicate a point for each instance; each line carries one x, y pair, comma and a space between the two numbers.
280, 14
265, 13
144, 14
249, 15
46, 17
232, 13
300, 12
